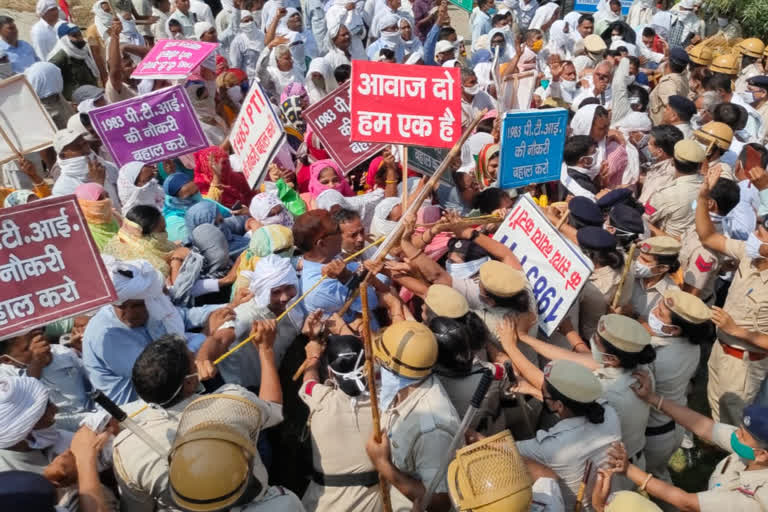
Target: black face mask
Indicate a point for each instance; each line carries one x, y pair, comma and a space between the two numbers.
78, 44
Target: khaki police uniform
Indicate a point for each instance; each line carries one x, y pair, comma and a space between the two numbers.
669, 85
460, 389
670, 208
659, 175
737, 367
420, 430
676, 362
142, 474
700, 266
597, 296
645, 299
754, 69
731, 486
343, 476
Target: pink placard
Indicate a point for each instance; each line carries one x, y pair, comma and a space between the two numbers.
172, 60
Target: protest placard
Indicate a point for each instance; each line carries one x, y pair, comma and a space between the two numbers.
405, 104
150, 128
427, 160
330, 121
517, 90
25, 126
553, 265
464, 4
532, 143
591, 6
256, 135
172, 60
50, 267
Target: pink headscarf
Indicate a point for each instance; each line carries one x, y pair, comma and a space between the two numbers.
315, 187
89, 191
294, 89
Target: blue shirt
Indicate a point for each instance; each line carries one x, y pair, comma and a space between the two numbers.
21, 56
110, 348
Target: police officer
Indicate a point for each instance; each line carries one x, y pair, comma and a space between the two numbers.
701, 266
340, 422
751, 50
165, 378
669, 210
679, 324
678, 113
726, 64
739, 361
700, 55
739, 482
654, 267
716, 139
418, 418
214, 466
672, 82
626, 224
597, 295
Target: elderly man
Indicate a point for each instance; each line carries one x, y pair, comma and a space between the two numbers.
118, 333
600, 87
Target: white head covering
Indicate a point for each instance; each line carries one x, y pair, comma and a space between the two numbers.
543, 15
661, 23
147, 285
604, 13
319, 65
23, 401
201, 27
380, 226
43, 6
475, 143
631, 49
270, 272
262, 204
572, 19
415, 56
45, 78
560, 42
102, 19
84, 54
581, 124
633, 122
151, 193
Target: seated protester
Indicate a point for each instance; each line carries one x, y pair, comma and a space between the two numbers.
58, 367
584, 432
137, 184
266, 209
97, 210
233, 228
487, 169
271, 239
339, 417
78, 164
325, 175
678, 112
679, 324
580, 168
656, 263
118, 333
181, 194
669, 211
274, 285
746, 467
29, 440
416, 414
473, 98
217, 181
659, 156
166, 378
621, 346
492, 199
701, 266
72, 56
600, 289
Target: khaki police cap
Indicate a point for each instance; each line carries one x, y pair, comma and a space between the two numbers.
594, 43
715, 132
624, 501
689, 151
573, 380
727, 64
407, 348
660, 246
688, 306
624, 333
500, 279
701, 54
752, 46
445, 301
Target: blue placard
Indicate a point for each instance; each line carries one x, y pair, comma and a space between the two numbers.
591, 6
532, 145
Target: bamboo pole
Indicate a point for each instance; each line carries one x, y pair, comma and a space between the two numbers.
627, 266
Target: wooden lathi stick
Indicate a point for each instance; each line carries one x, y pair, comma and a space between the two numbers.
627, 266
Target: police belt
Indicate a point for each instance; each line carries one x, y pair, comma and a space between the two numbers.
661, 429
366, 479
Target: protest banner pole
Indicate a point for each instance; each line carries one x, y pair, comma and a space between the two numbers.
404, 163
371, 378
10, 144
627, 266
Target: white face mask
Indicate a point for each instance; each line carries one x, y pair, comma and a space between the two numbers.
391, 37
643, 271
257, 18
596, 354
178, 36
568, 85
235, 93
247, 27
616, 38
472, 91
656, 325
5, 70
748, 97
593, 168
629, 80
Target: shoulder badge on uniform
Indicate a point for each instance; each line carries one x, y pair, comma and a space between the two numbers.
309, 386
703, 265
649, 210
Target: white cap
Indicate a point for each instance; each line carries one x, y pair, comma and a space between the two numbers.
65, 137
443, 46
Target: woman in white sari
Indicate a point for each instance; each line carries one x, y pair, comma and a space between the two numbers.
320, 80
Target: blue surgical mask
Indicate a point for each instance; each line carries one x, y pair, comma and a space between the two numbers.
491, 11
391, 384
742, 450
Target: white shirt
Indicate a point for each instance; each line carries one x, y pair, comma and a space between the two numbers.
202, 11
43, 38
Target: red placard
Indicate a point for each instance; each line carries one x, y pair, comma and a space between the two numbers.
330, 121
405, 104
50, 267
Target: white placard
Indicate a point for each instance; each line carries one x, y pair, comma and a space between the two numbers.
25, 125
